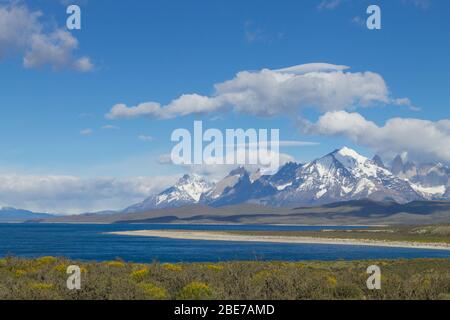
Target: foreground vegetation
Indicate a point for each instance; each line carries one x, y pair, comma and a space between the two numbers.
425, 234
45, 278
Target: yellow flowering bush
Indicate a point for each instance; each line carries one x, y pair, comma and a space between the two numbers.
154, 292
139, 275
332, 281
172, 267
115, 264
196, 291
214, 267
61, 268
3, 262
19, 273
46, 260
41, 286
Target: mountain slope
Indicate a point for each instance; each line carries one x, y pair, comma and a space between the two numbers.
430, 180
339, 176
237, 188
188, 190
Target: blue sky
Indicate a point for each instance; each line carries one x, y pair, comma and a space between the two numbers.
141, 51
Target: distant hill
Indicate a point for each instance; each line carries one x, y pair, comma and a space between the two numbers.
356, 212
167, 214
19, 215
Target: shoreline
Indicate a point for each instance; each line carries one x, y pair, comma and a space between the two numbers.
205, 224
223, 236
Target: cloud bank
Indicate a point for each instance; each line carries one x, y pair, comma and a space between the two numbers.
68, 194
422, 140
325, 87
23, 33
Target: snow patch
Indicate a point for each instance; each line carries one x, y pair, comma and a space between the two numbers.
430, 191
284, 186
321, 193
365, 185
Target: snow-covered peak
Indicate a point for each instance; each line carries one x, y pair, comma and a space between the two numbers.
240, 171
429, 192
349, 155
358, 164
193, 185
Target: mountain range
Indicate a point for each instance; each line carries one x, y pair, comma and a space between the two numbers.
342, 175
337, 178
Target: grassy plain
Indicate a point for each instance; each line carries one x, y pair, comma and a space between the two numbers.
426, 234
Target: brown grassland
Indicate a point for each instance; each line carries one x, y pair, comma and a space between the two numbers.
45, 278
439, 233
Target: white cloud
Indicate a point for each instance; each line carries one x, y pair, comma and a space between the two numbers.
22, 32
83, 64
312, 67
68, 194
422, 140
145, 138
110, 127
405, 102
86, 132
326, 87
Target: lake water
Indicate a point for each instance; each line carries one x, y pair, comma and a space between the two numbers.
87, 242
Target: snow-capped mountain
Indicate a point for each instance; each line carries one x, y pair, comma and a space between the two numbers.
378, 161
341, 175
287, 176
187, 190
431, 180
238, 187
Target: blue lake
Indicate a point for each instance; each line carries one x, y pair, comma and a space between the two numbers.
87, 242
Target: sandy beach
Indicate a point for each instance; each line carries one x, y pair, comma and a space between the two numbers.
223, 236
